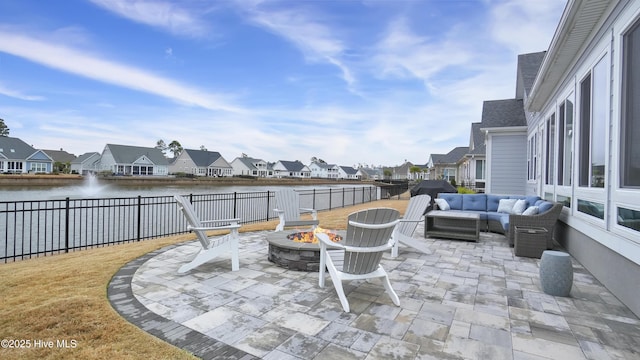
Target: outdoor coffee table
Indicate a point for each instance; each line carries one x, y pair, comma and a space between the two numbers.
452, 225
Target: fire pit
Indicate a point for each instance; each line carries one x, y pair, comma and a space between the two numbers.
298, 250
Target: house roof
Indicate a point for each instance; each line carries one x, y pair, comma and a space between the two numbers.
371, 172
503, 113
574, 30
477, 138
349, 170
60, 155
82, 158
528, 66
125, 154
450, 158
292, 165
14, 148
203, 158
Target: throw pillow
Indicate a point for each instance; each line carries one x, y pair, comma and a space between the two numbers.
519, 207
506, 205
531, 210
442, 204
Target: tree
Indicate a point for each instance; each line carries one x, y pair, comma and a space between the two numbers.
203, 148
4, 130
160, 144
175, 148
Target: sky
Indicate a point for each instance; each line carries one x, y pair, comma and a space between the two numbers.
353, 82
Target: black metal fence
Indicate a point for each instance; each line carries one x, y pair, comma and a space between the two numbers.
44, 227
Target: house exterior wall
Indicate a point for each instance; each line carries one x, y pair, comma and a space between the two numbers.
184, 164
506, 169
593, 225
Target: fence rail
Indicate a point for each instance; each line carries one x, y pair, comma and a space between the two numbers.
45, 227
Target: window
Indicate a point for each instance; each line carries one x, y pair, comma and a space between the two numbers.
591, 208
629, 218
480, 164
551, 135
448, 174
14, 166
593, 125
630, 151
532, 156
565, 142
38, 167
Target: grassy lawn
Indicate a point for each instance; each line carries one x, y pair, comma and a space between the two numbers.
48, 300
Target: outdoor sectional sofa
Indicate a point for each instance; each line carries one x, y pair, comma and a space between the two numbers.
487, 206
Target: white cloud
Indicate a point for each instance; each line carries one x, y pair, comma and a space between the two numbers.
4, 90
94, 67
164, 15
315, 40
526, 26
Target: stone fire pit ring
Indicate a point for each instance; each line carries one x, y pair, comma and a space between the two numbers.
293, 255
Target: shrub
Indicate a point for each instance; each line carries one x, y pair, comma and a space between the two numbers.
464, 190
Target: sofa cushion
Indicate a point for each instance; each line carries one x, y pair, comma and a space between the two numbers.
477, 202
506, 205
531, 200
544, 206
454, 200
504, 221
442, 204
531, 210
519, 207
494, 216
493, 202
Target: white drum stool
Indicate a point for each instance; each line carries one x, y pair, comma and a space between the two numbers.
556, 273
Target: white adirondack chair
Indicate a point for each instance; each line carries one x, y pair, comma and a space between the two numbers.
211, 247
403, 233
358, 255
289, 210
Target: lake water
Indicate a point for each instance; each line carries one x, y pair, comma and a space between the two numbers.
92, 188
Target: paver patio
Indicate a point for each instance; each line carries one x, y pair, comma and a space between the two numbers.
465, 300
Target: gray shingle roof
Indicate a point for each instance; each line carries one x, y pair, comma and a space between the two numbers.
452, 157
502, 113
14, 148
203, 158
292, 165
528, 66
125, 154
349, 170
60, 155
479, 147
84, 157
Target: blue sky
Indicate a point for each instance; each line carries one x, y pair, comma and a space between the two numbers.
370, 82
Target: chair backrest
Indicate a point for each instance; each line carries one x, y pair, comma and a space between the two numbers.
366, 262
194, 221
415, 210
288, 200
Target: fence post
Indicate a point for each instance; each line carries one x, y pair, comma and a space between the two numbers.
330, 198
313, 205
235, 204
66, 226
139, 217
268, 200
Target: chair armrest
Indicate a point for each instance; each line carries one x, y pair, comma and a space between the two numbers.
209, 228
314, 213
411, 221
374, 226
325, 241
231, 221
